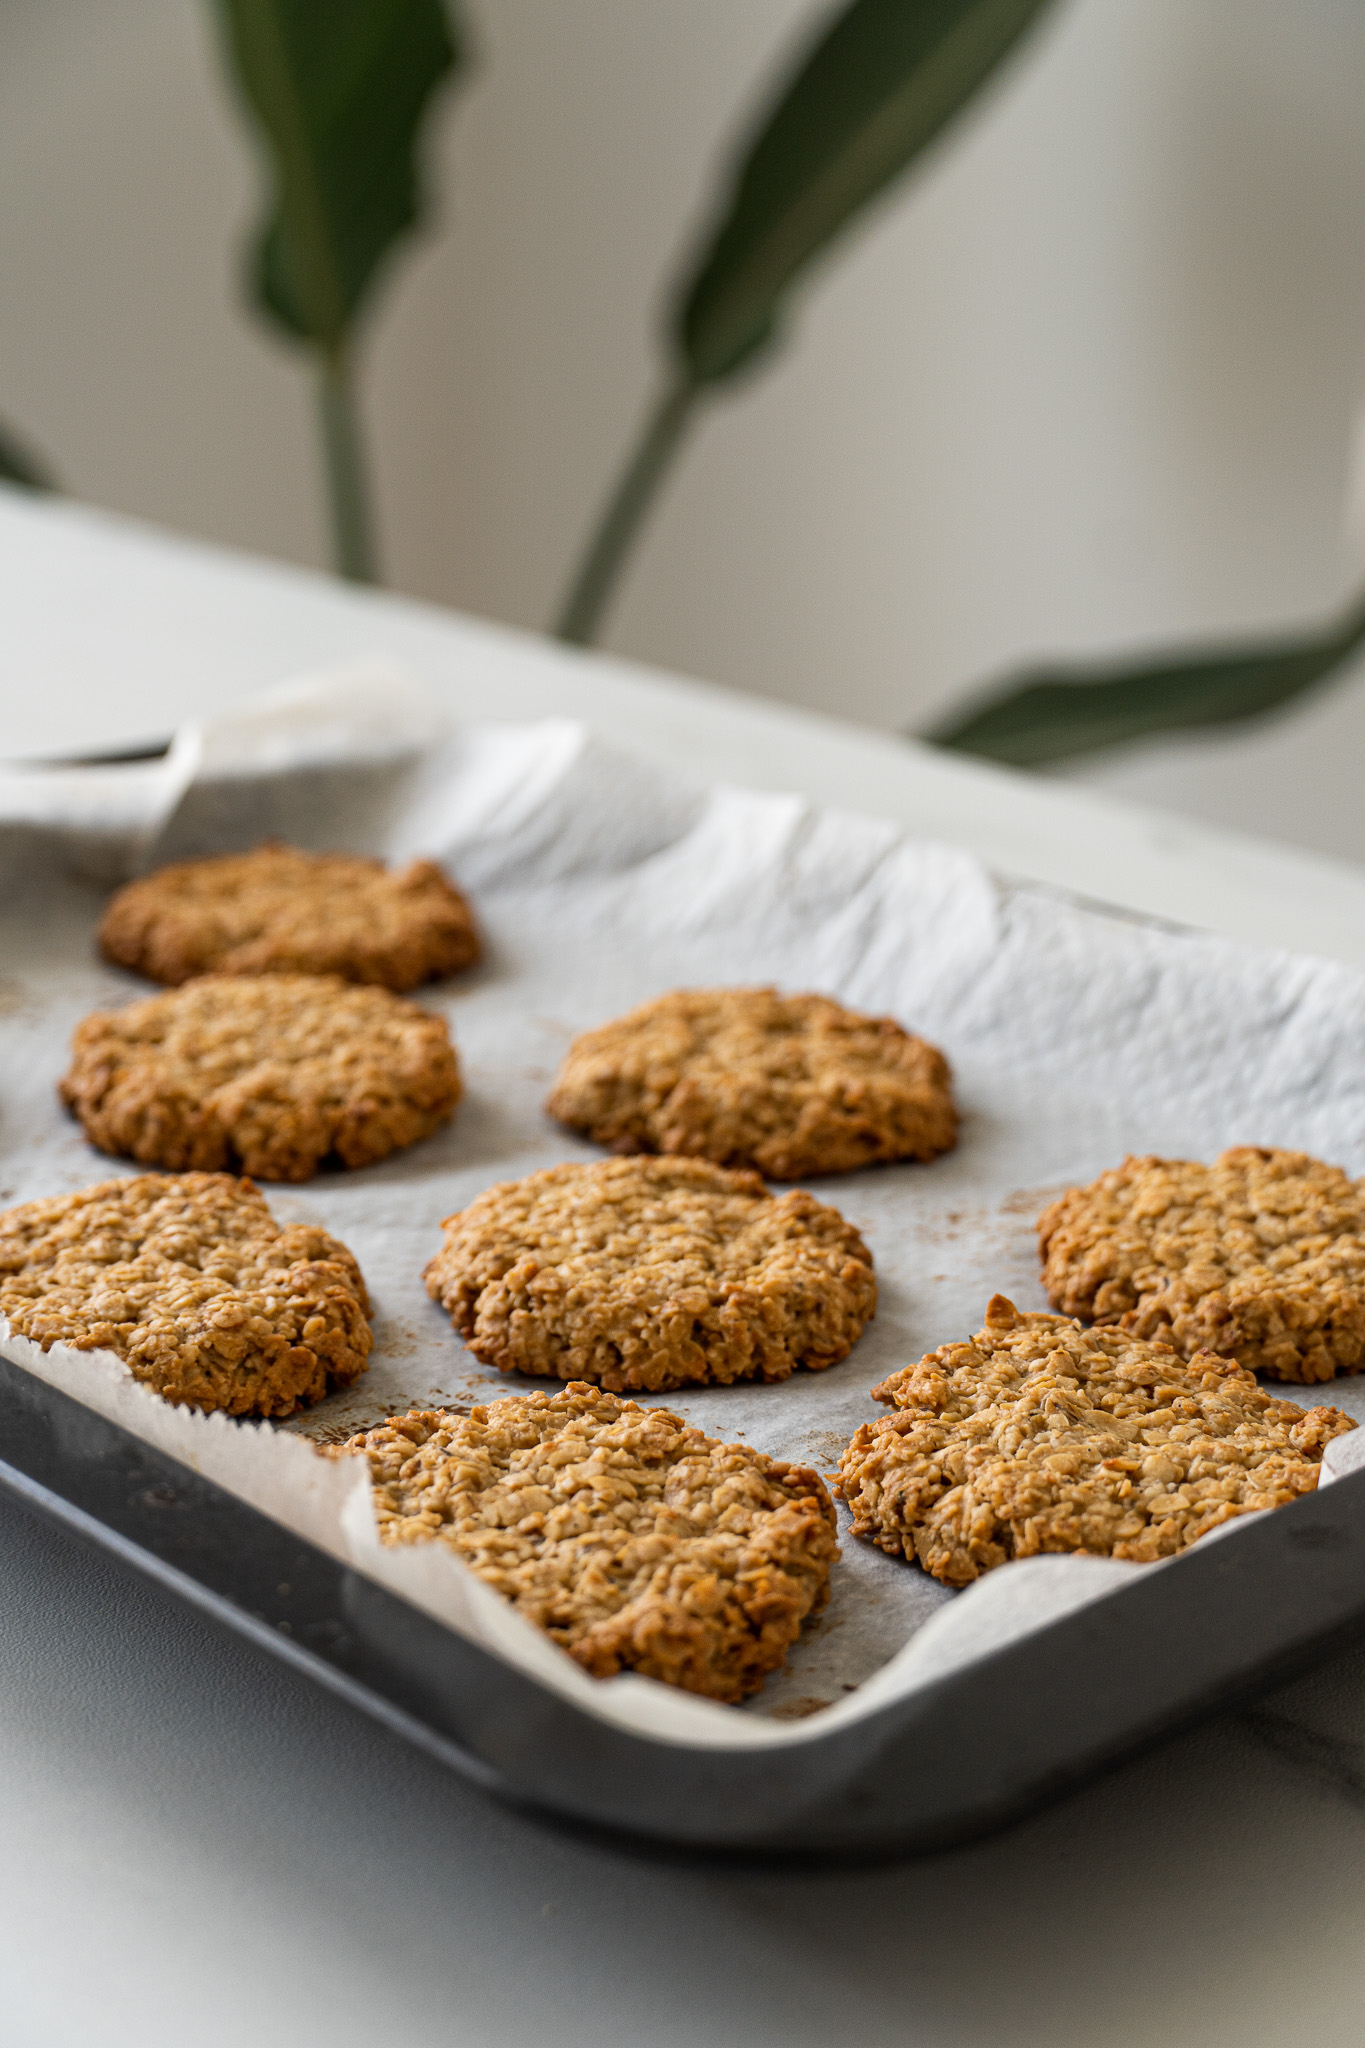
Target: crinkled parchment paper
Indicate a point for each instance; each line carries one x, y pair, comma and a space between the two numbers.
1075, 1036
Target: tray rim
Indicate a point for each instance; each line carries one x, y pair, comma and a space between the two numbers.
59, 1505
833, 1798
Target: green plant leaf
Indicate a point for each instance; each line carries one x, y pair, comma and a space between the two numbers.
880, 84
19, 465
1054, 714
338, 89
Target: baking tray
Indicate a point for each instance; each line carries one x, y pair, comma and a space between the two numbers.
740, 886
961, 1757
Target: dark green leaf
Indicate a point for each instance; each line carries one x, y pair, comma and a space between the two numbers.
1055, 714
338, 89
19, 465
879, 85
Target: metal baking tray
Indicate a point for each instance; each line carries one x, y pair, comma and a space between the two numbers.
950, 1760
957, 1759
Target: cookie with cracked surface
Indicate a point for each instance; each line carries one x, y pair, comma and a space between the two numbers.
193, 1284
789, 1085
636, 1542
272, 1073
1040, 1435
652, 1273
278, 910
1259, 1257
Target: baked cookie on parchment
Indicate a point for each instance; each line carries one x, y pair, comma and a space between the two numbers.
652, 1273
791, 1086
280, 910
1259, 1257
1039, 1435
269, 1073
194, 1285
635, 1541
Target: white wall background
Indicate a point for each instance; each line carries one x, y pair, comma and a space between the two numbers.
1090, 382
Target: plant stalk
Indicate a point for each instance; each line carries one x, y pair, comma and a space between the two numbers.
624, 513
348, 495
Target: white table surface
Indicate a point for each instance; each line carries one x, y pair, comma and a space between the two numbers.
198, 1847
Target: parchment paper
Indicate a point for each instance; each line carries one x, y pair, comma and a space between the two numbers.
1076, 1036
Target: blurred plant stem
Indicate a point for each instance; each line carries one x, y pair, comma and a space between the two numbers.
624, 514
347, 472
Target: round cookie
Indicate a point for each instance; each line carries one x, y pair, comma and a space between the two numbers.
636, 1542
652, 1273
269, 1073
280, 910
788, 1085
193, 1284
1040, 1435
1259, 1257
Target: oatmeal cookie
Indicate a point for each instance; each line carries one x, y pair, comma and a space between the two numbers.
280, 910
632, 1539
1040, 1435
193, 1284
789, 1085
1259, 1257
272, 1073
652, 1273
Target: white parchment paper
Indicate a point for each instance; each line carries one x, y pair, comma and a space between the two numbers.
1075, 1036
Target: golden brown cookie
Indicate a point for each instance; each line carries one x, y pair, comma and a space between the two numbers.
652, 1273
1259, 1257
279, 910
789, 1085
1040, 1435
272, 1073
194, 1285
635, 1541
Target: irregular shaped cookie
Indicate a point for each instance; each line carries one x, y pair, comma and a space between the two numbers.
1259, 1257
790, 1085
280, 910
635, 1541
194, 1285
272, 1073
1040, 1435
652, 1273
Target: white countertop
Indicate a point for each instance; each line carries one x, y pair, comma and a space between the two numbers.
112, 632
198, 1847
